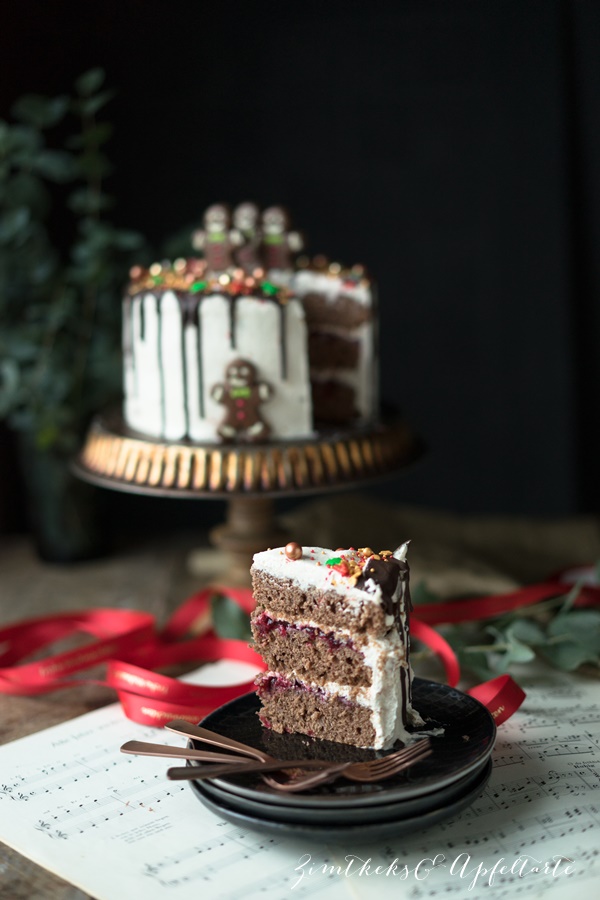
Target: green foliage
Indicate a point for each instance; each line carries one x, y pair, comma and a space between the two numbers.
229, 620
565, 637
60, 285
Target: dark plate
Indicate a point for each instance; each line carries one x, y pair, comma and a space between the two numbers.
384, 812
342, 832
466, 743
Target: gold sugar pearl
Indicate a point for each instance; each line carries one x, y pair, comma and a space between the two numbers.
365, 551
293, 550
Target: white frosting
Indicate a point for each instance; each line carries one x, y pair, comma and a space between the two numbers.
385, 656
157, 394
311, 571
307, 281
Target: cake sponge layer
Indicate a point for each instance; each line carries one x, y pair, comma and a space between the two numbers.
294, 601
291, 706
309, 653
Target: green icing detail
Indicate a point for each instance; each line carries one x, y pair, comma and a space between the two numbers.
334, 561
198, 286
269, 288
157, 279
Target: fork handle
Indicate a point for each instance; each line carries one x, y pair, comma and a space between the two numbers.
199, 773
142, 748
180, 726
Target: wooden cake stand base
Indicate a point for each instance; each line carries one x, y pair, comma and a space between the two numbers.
250, 477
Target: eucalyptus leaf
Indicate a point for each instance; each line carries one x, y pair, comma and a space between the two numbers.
229, 620
9, 384
90, 82
27, 189
95, 135
92, 105
13, 222
57, 165
24, 142
527, 631
581, 626
41, 112
83, 201
94, 165
568, 655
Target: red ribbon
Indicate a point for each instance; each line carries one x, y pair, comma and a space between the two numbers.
127, 641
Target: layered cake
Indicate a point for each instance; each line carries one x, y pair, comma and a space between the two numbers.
333, 630
247, 342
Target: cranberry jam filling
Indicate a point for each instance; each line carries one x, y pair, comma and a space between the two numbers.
269, 684
264, 624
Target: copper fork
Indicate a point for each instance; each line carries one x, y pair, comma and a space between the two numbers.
371, 771
366, 772
180, 726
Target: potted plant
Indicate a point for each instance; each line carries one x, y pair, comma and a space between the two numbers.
62, 268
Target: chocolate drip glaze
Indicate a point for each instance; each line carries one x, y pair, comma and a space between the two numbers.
405, 687
184, 377
282, 341
232, 322
386, 573
189, 305
143, 319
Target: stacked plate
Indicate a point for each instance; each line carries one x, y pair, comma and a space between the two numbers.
432, 790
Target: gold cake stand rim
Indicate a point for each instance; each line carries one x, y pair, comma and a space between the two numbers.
115, 457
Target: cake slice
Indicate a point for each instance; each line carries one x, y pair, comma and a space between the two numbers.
333, 629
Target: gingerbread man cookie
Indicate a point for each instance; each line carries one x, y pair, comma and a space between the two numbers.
242, 394
246, 225
279, 244
217, 239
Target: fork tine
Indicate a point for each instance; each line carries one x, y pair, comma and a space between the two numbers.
371, 771
391, 762
384, 762
392, 768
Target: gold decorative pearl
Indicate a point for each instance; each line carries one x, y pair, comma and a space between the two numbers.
293, 550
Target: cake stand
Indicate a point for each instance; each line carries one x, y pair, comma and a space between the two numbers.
250, 477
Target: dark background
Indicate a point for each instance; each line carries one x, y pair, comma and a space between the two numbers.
453, 147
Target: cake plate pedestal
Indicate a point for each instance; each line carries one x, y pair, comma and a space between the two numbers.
249, 477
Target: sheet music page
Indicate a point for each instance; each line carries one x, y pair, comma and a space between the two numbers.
114, 826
